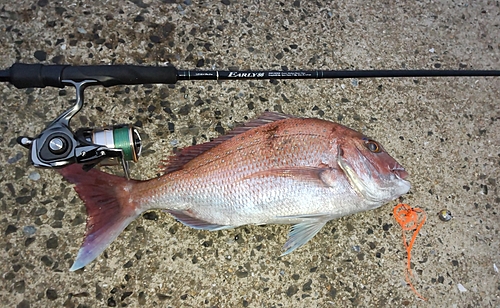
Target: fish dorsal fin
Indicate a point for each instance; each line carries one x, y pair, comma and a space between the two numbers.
177, 161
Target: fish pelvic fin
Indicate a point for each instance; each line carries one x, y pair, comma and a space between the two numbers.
302, 232
110, 209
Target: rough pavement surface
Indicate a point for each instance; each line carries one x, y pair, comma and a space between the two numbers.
445, 131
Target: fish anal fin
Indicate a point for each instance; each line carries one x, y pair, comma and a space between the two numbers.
177, 161
189, 220
302, 232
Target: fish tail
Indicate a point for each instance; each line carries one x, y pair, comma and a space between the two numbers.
110, 209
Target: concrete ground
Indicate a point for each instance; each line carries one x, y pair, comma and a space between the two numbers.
445, 131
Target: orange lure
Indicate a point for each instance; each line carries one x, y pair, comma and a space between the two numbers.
408, 219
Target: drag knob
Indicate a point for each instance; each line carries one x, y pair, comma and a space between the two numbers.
58, 145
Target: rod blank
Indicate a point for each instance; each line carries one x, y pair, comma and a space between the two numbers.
230, 75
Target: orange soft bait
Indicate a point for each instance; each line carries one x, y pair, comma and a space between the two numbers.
410, 219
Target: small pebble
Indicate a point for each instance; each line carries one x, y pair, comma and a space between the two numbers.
292, 290
23, 304
16, 158
445, 215
51, 294
52, 243
29, 230
461, 288
354, 82
81, 30
10, 229
495, 267
432, 50
35, 176
356, 248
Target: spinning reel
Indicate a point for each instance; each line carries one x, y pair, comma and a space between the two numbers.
57, 145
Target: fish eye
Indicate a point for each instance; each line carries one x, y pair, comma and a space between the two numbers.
373, 146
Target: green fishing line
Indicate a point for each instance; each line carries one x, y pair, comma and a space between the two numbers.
122, 141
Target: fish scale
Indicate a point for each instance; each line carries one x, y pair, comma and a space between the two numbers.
275, 169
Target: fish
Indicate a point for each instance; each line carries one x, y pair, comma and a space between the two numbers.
275, 169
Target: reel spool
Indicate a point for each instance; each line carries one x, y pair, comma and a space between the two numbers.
124, 137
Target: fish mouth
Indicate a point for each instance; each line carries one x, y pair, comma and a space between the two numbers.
399, 171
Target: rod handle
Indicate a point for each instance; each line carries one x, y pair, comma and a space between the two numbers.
41, 76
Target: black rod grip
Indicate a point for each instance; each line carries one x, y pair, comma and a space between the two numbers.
36, 75
40, 76
112, 75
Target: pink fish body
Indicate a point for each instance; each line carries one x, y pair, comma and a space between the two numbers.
274, 170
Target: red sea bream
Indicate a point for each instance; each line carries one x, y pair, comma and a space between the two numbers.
276, 169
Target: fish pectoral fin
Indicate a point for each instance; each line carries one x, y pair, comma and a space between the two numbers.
302, 232
304, 174
189, 220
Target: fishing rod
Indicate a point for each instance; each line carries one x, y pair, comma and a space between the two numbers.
57, 145
40, 76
